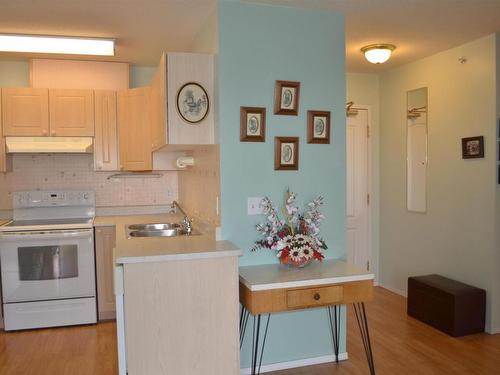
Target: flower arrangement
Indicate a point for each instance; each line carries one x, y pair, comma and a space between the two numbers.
295, 238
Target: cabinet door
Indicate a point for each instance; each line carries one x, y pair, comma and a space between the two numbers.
3, 156
71, 113
134, 129
104, 245
159, 105
25, 112
186, 68
106, 137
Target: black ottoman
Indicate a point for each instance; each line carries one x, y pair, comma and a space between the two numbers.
453, 307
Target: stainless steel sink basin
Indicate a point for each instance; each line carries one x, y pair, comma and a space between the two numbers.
167, 226
156, 233
158, 230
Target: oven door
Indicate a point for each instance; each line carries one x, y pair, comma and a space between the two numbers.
46, 265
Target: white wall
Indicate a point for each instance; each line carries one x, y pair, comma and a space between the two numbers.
456, 237
207, 38
363, 90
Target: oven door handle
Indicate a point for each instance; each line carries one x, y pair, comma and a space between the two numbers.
46, 234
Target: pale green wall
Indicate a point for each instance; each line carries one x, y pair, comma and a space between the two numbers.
496, 303
14, 73
456, 237
258, 45
364, 90
141, 75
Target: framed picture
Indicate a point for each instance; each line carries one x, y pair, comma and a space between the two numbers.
286, 153
252, 124
192, 102
473, 147
286, 98
318, 127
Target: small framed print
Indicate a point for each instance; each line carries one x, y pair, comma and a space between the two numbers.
286, 153
192, 103
473, 147
286, 98
252, 124
318, 127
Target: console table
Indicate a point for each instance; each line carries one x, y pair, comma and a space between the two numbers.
272, 288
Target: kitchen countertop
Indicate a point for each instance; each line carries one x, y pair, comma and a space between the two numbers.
157, 249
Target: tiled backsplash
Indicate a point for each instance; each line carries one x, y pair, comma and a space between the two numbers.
76, 171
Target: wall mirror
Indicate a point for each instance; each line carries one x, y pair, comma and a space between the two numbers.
416, 150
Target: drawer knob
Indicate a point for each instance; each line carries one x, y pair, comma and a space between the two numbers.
316, 296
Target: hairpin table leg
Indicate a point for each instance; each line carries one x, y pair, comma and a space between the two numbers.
334, 322
359, 309
243, 323
255, 343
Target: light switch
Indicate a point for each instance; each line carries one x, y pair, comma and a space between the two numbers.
254, 206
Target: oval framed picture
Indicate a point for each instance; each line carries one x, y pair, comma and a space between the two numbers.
192, 102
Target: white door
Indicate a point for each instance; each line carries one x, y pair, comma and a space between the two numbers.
358, 251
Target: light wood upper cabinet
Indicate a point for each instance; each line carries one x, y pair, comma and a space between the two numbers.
25, 112
159, 105
4, 165
183, 68
134, 129
105, 238
71, 113
106, 137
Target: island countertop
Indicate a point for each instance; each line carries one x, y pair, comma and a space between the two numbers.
158, 249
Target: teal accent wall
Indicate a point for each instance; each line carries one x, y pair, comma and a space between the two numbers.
259, 44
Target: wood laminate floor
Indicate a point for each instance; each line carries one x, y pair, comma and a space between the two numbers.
401, 346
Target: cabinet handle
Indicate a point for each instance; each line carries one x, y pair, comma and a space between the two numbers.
53, 132
317, 296
44, 132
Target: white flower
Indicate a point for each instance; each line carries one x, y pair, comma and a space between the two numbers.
295, 254
281, 245
307, 252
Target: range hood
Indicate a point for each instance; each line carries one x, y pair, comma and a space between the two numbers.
48, 145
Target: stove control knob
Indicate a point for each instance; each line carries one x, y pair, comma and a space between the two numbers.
85, 196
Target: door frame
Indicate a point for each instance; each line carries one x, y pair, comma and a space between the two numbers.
368, 109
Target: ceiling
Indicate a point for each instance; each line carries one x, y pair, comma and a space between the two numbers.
144, 28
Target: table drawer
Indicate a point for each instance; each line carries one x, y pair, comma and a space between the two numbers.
314, 296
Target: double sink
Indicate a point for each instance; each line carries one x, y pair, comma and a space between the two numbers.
159, 230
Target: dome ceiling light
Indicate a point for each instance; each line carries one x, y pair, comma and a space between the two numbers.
378, 53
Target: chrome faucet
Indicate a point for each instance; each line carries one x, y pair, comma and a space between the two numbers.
186, 221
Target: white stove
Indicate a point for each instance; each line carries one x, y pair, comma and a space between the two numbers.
47, 260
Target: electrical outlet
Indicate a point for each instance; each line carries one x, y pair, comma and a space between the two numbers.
254, 206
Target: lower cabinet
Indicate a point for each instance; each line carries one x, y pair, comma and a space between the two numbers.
105, 238
180, 317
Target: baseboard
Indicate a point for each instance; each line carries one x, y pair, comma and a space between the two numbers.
494, 331
394, 290
295, 364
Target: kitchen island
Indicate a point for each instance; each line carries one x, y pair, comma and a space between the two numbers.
177, 303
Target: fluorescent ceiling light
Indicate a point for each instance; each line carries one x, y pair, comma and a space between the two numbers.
378, 53
54, 44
